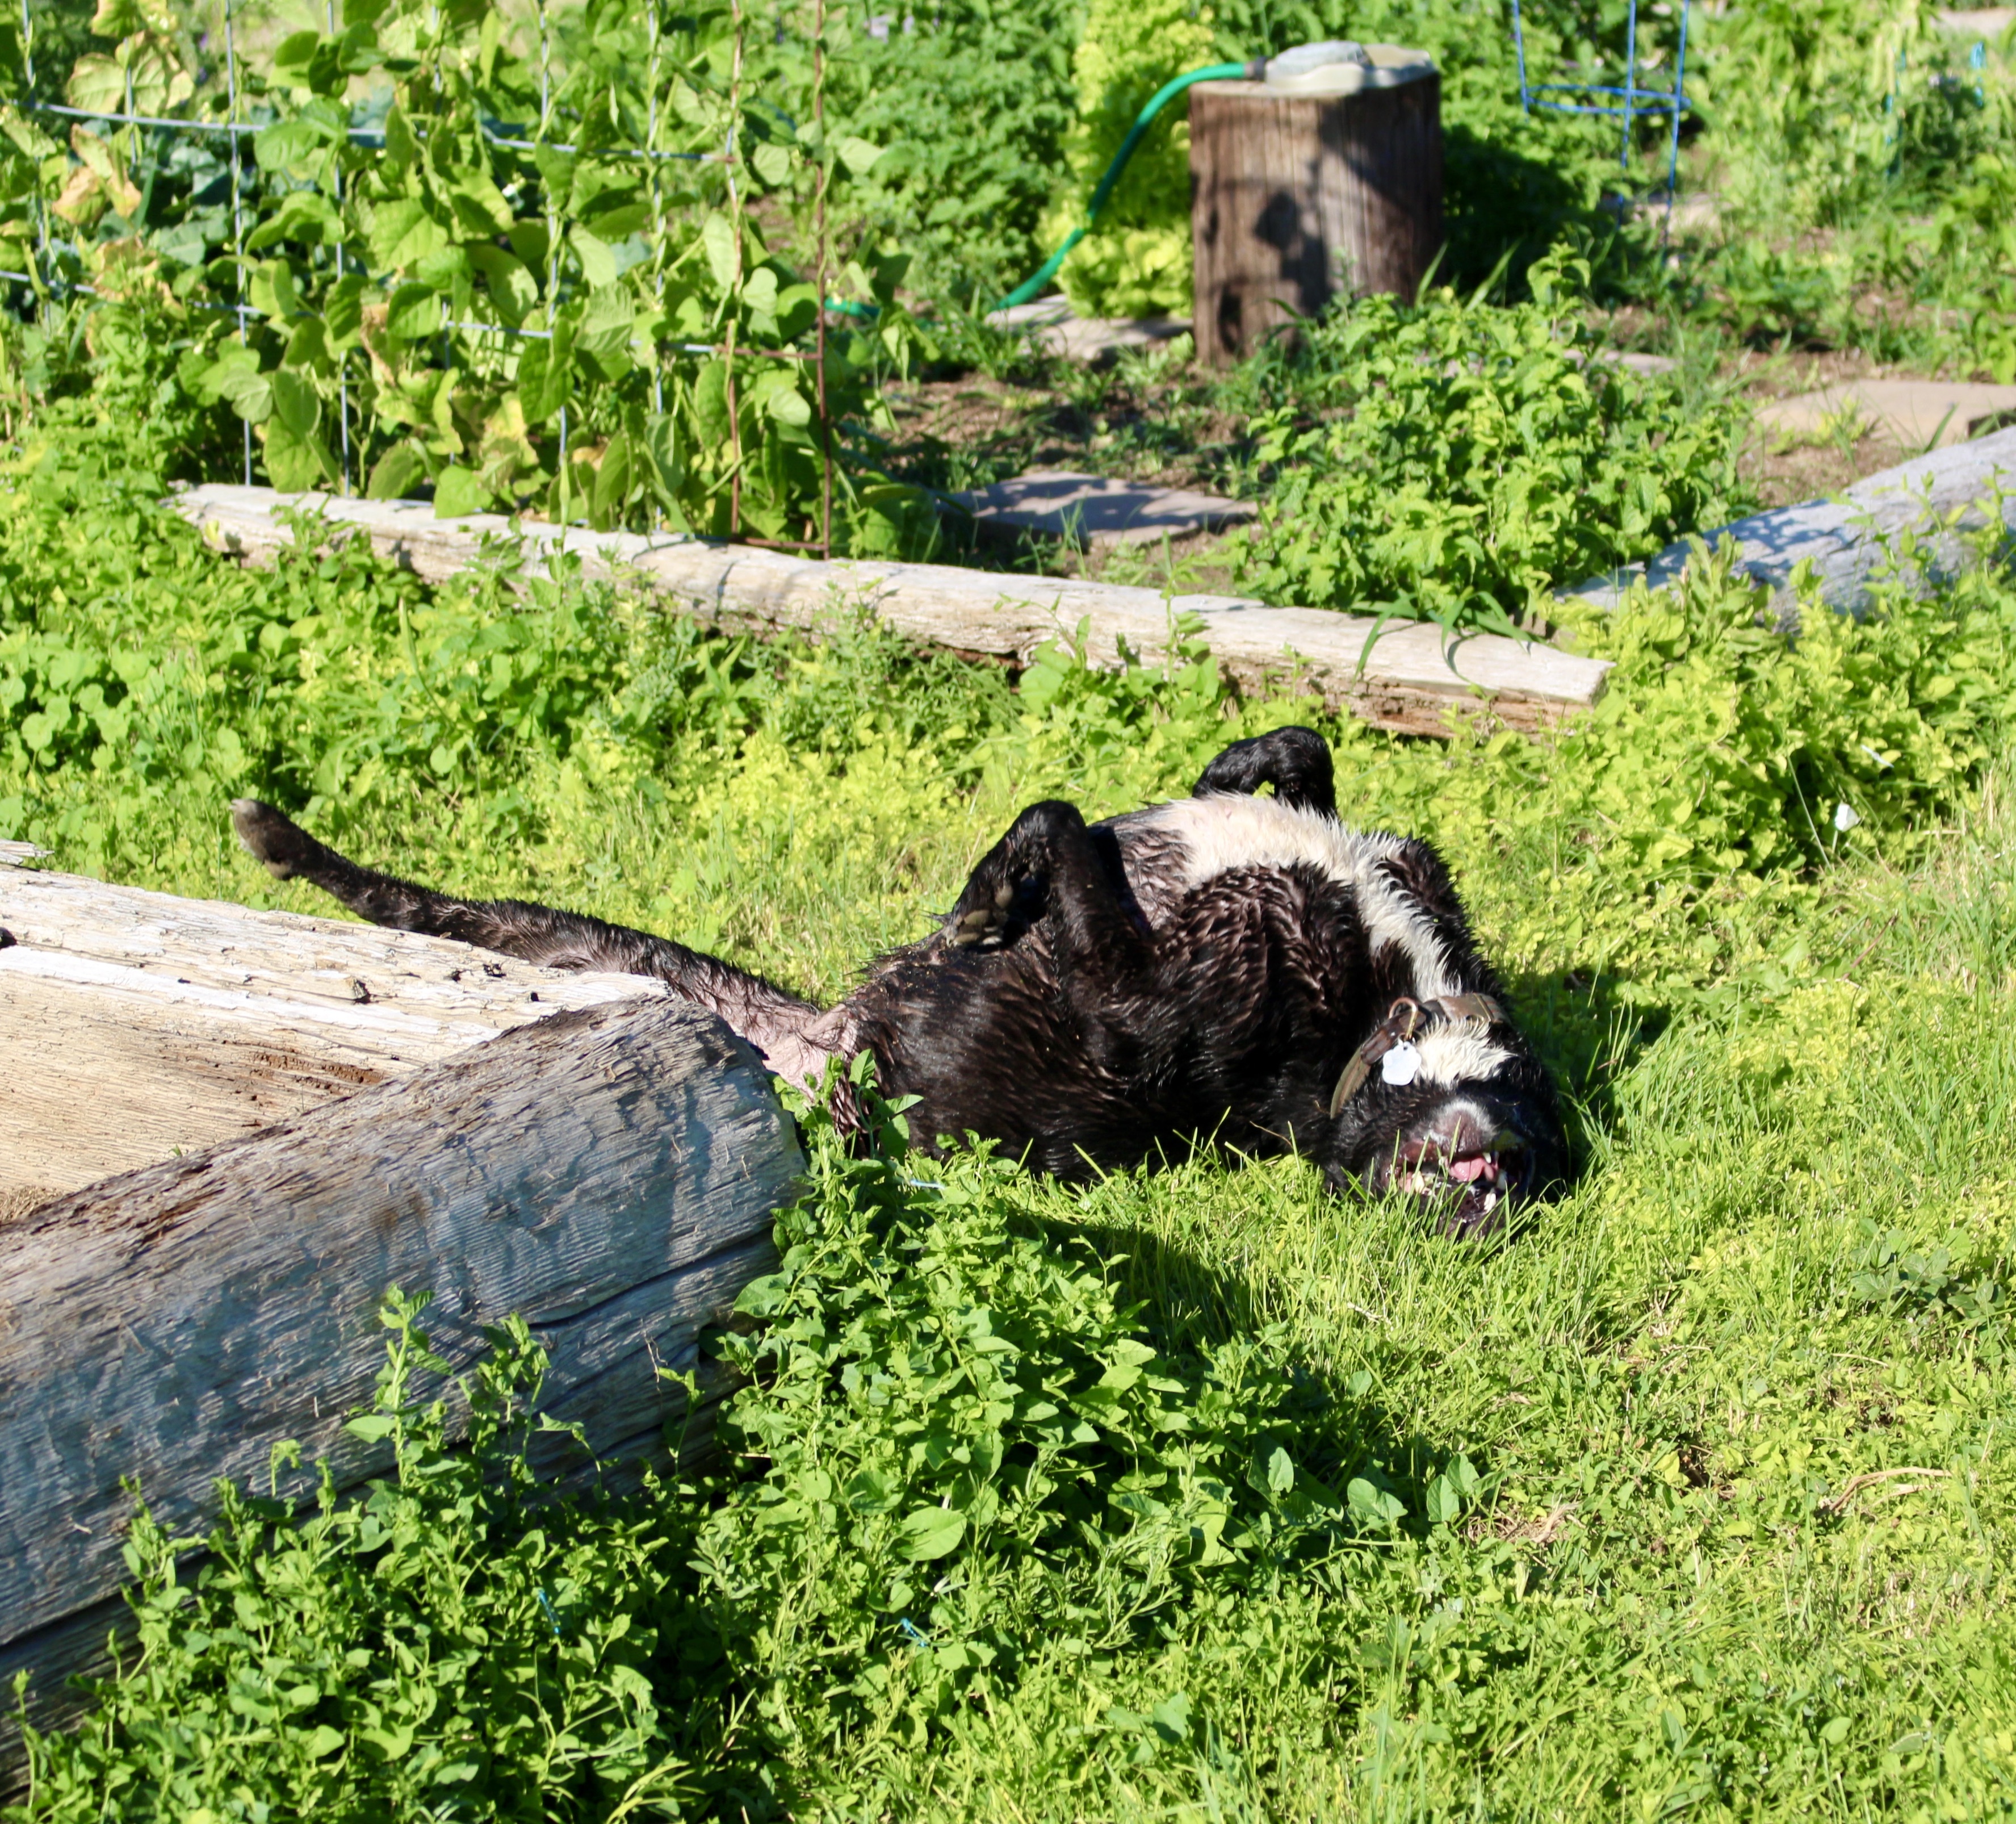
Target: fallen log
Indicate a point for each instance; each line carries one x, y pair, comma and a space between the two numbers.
1407, 680
135, 1025
609, 1173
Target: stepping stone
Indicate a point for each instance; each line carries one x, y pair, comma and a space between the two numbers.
1984, 23
1058, 329
1093, 510
1909, 412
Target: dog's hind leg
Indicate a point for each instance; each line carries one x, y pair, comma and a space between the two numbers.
1049, 865
775, 1022
1296, 761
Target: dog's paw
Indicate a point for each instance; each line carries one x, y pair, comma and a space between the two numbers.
985, 926
273, 838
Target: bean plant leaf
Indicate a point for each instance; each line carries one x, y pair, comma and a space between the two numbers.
297, 140
296, 461
401, 232
415, 313
859, 155
612, 483
710, 402
595, 254
295, 54
480, 206
295, 403
395, 473
717, 237
249, 394
545, 373
512, 289
118, 18
459, 491
401, 149
788, 407
343, 310
306, 216
931, 1533
97, 84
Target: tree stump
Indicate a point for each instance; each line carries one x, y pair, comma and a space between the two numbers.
1297, 197
609, 1173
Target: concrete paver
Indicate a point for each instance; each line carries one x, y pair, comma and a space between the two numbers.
1910, 412
1984, 22
1088, 339
1094, 511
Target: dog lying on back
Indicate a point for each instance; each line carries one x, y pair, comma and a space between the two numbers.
1226, 967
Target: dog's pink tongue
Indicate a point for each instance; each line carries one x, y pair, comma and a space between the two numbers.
1467, 1171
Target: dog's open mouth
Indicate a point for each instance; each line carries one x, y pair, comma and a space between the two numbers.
1468, 1190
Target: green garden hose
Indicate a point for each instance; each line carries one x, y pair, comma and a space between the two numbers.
1160, 99
1299, 61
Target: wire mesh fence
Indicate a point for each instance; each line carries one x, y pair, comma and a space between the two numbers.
531, 278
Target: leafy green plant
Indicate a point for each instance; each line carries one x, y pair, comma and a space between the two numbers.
518, 277
1137, 262
973, 100
454, 1641
774, 800
1451, 462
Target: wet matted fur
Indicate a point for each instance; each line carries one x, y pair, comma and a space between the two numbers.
1227, 967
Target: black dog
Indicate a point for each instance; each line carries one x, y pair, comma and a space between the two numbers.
1225, 966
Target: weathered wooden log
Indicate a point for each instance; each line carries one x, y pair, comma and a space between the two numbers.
1405, 676
609, 1173
135, 1025
1296, 197
1922, 520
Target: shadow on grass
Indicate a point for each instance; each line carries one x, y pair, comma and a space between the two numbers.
1589, 1030
1334, 1427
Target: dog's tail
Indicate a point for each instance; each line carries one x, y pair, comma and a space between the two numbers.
775, 1021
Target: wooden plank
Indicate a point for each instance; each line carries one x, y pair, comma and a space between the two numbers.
1408, 682
609, 1173
1939, 498
1296, 198
135, 1025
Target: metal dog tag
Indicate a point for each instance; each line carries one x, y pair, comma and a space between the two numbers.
1399, 1065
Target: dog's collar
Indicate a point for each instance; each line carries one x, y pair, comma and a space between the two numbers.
1404, 1019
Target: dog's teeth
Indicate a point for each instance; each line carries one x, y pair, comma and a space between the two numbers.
1004, 896
976, 921
964, 940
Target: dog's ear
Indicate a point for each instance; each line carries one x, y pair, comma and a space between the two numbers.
1295, 762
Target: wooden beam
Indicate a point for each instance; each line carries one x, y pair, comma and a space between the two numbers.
135, 1025
611, 1174
1409, 680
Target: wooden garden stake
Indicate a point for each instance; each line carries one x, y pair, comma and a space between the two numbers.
824, 177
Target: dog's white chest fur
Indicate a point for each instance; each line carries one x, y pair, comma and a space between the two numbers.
1221, 832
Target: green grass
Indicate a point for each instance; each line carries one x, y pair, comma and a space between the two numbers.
1684, 1498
